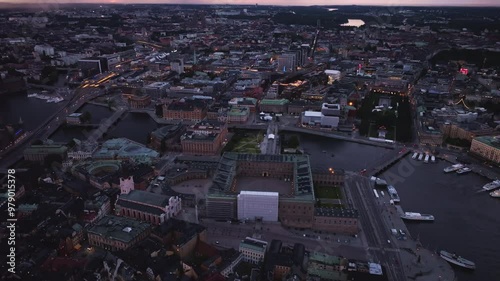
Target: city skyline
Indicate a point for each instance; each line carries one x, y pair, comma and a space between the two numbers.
480, 3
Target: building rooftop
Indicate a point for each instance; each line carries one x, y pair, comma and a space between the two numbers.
273, 102
238, 111
489, 140
336, 212
36, 149
119, 228
145, 197
125, 148
259, 193
253, 244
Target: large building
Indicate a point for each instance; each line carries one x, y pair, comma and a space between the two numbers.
253, 250
167, 138
487, 147
185, 110
146, 206
125, 149
117, 233
288, 62
38, 153
204, 138
296, 198
336, 220
258, 204
293, 169
93, 66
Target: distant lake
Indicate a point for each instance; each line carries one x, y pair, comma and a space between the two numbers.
354, 22
332, 9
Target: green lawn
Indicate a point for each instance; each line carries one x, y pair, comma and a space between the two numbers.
250, 143
328, 192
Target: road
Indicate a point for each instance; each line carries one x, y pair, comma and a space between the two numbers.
227, 235
381, 248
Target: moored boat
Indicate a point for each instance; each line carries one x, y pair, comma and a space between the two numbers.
433, 159
457, 260
417, 216
464, 170
393, 194
453, 168
492, 185
495, 193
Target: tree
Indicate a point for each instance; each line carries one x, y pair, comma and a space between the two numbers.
85, 117
293, 142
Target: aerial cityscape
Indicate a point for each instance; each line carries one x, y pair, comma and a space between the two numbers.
249, 141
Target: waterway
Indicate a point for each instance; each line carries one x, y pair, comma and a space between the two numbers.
467, 220
330, 153
354, 23
135, 126
32, 111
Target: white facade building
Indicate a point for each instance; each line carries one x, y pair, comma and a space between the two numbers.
252, 204
44, 50
253, 250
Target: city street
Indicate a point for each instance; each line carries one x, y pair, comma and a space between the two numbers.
373, 221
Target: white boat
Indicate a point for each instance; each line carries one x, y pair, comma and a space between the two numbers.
426, 160
415, 155
417, 216
32, 95
393, 194
495, 193
492, 185
433, 159
453, 168
457, 260
464, 170
420, 157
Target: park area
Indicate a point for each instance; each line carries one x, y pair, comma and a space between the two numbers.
245, 142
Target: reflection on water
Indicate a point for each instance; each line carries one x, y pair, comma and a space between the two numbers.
332, 9
354, 22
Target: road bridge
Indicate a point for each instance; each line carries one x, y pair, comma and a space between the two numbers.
377, 170
104, 127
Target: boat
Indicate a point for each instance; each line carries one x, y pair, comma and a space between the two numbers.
415, 155
464, 170
457, 260
495, 193
426, 158
453, 168
393, 193
417, 216
420, 157
492, 185
433, 159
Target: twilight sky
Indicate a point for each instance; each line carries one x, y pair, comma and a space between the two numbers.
283, 2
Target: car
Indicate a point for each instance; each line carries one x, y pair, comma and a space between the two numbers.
389, 241
217, 242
